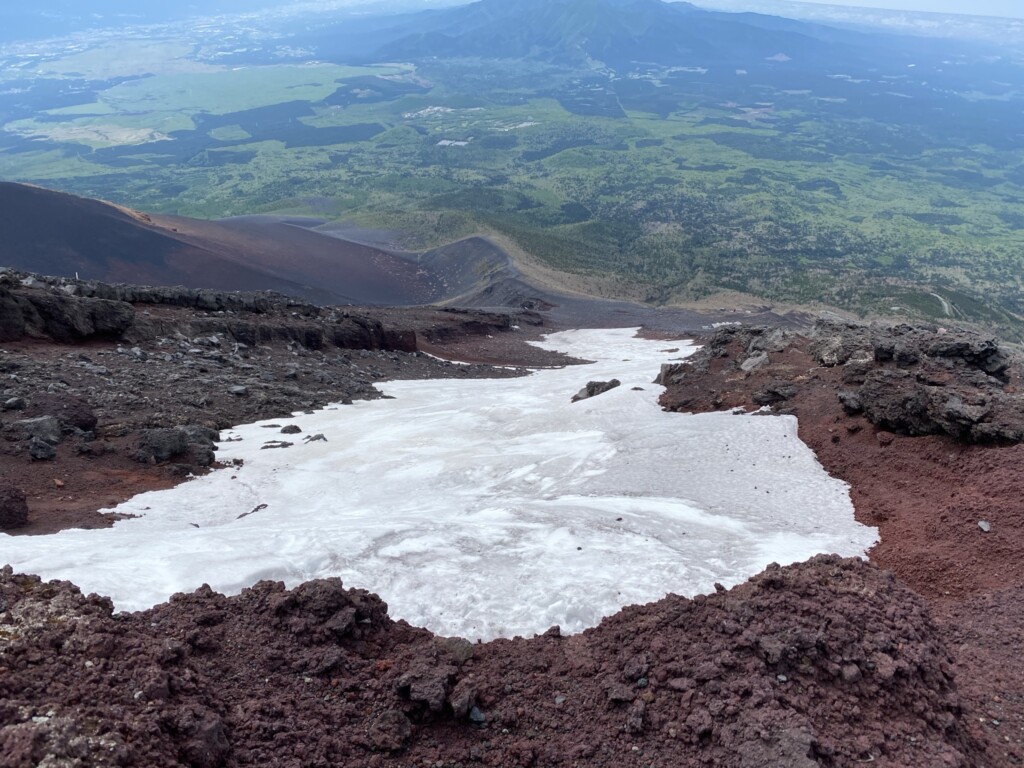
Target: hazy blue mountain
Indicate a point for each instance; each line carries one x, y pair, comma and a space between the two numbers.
615, 32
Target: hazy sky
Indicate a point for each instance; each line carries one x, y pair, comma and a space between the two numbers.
1010, 8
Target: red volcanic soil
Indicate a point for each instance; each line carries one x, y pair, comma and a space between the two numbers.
926, 494
746, 678
342, 271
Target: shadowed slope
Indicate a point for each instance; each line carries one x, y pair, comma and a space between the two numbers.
54, 233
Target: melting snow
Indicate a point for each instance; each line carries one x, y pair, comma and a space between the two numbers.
483, 508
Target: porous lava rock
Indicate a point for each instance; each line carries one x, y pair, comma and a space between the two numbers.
916, 380
71, 411
68, 311
58, 316
13, 508
928, 495
159, 445
44, 428
827, 663
908, 380
595, 388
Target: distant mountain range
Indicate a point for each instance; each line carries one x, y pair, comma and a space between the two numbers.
1003, 32
616, 33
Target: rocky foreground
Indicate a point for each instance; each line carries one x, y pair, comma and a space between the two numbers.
925, 424
108, 391
827, 663
111, 390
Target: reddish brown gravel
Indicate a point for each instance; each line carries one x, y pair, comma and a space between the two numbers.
927, 495
761, 675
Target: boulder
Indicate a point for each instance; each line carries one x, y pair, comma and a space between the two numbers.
754, 362
44, 428
774, 394
156, 446
390, 731
72, 412
67, 319
595, 388
13, 508
40, 450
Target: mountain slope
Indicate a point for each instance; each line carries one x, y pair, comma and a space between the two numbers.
59, 234
612, 32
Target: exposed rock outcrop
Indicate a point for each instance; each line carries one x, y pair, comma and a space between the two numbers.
903, 379
195, 442
68, 311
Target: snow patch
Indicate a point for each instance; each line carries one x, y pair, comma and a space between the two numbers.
483, 508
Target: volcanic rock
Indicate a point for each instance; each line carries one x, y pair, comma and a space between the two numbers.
390, 731
60, 317
156, 446
904, 379
595, 388
13, 508
46, 429
751, 676
71, 411
41, 450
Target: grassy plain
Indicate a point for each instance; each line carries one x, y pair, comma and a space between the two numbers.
670, 185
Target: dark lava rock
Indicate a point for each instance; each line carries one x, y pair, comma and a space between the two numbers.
427, 685
13, 508
159, 445
46, 429
909, 380
72, 412
774, 394
61, 317
207, 745
156, 446
921, 381
40, 450
595, 388
291, 429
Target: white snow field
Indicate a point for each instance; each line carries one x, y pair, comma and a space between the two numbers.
483, 508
